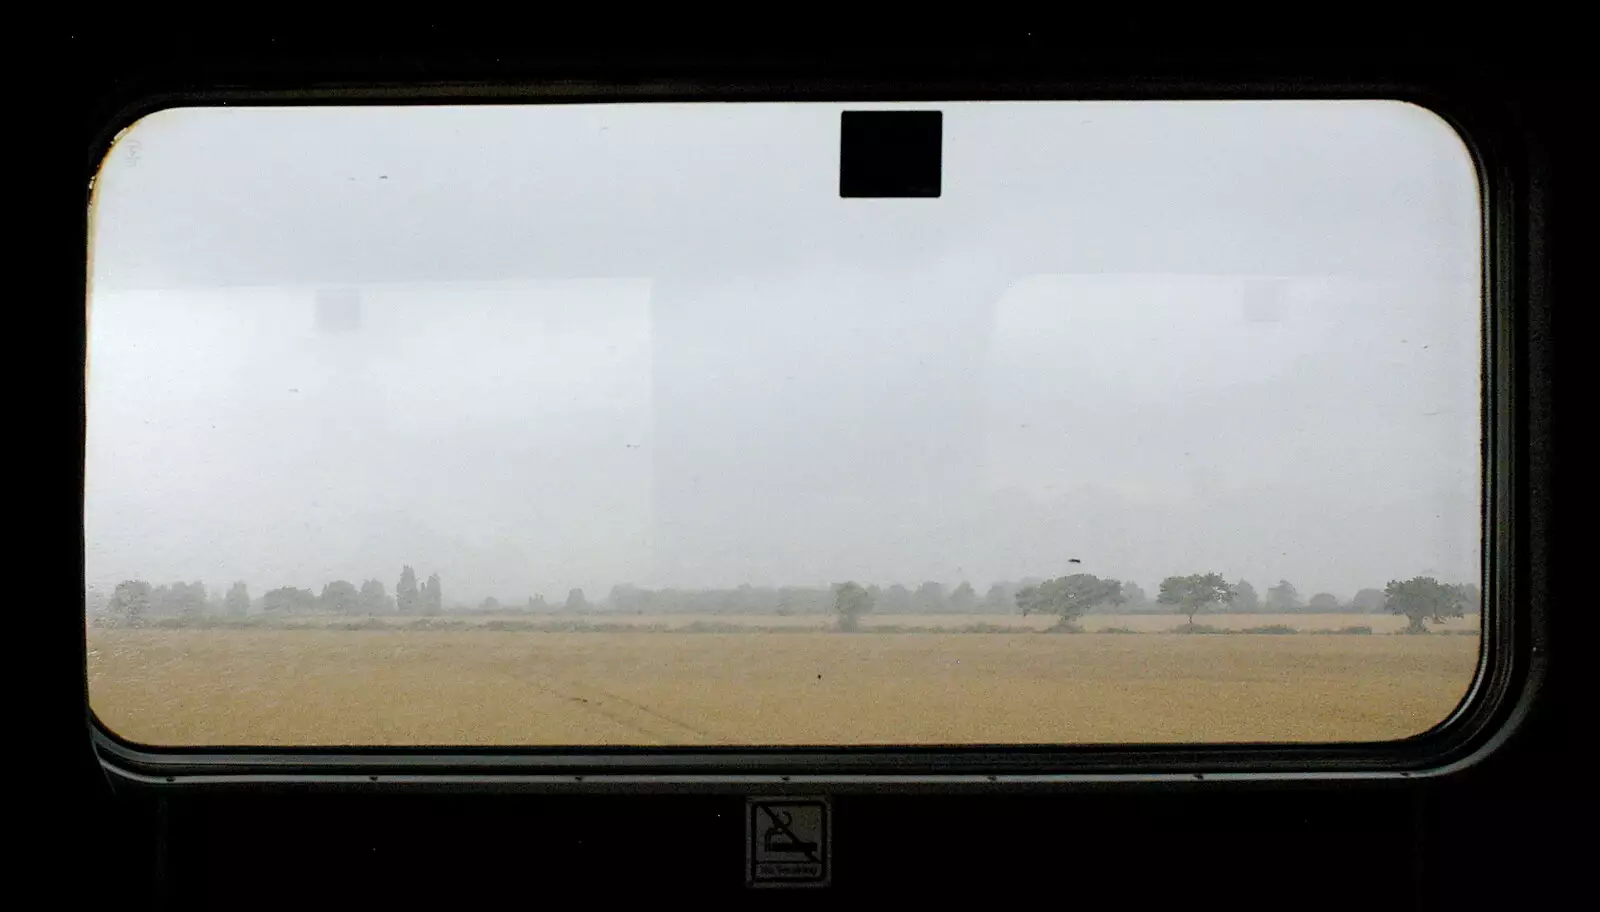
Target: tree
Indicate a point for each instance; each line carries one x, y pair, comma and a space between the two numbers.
764, 600
340, 597
804, 600
1245, 600
373, 599
850, 602
743, 600
930, 598
1283, 597
1194, 592
964, 598
289, 600
998, 599
1134, 594
408, 600
1367, 601
130, 602
625, 597
897, 599
186, 600
1325, 602
537, 603
576, 602
195, 599
237, 602
490, 605
1424, 598
432, 595
1069, 597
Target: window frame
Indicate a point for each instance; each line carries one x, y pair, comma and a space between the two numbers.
1516, 504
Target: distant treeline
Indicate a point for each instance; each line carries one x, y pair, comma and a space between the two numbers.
133, 600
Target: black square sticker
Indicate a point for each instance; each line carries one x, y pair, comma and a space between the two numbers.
891, 154
787, 842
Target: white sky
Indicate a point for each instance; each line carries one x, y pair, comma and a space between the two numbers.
651, 344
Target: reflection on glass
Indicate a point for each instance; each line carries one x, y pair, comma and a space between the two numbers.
603, 424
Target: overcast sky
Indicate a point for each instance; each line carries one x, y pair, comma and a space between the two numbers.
543, 347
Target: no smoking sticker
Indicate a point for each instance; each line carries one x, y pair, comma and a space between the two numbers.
787, 842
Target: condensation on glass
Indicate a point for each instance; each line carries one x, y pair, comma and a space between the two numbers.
616, 425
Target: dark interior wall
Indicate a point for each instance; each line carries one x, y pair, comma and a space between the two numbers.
1500, 835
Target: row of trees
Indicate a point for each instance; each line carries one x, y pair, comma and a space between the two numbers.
928, 598
134, 600
1000, 598
1067, 597
1421, 599
1284, 598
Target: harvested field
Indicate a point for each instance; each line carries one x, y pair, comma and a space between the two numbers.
252, 687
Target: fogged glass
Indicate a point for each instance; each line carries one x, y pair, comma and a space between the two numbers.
617, 425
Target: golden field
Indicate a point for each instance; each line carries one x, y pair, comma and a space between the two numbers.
258, 687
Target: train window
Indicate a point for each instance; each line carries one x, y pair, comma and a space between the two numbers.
619, 425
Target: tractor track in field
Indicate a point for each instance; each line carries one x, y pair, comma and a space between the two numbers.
625, 712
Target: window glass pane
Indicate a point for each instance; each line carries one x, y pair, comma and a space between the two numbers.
617, 425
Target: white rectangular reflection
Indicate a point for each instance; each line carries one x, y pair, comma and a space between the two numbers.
1325, 426
208, 407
